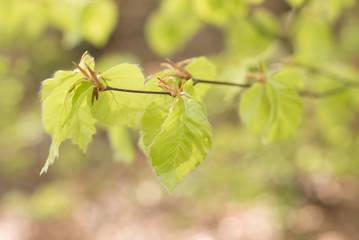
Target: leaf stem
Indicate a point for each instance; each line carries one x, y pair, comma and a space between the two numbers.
108, 88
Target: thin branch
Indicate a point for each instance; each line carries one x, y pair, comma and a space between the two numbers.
108, 88
335, 77
329, 93
246, 85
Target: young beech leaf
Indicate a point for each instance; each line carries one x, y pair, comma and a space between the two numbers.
286, 112
177, 138
154, 116
289, 77
53, 154
65, 114
255, 108
271, 110
60, 78
55, 95
118, 108
201, 68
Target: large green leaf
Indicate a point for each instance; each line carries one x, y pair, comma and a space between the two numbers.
181, 140
272, 110
118, 108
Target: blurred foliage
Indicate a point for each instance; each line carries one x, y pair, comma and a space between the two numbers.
308, 182
24, 21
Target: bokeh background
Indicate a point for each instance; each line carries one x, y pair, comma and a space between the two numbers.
304, 187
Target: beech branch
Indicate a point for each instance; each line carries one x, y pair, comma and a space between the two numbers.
246, 85
108, 88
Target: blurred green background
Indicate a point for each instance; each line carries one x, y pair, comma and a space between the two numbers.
305, 187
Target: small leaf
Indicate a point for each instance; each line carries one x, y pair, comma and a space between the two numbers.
181, 143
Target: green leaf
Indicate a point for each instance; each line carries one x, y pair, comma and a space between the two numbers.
286, 112
295, 3
59, 78
53, 154
65, 114
289, 77
81, 127
330, 9
118, 108
255, 108
181, 143
313, 41
220, 12
83, 90
201, 68
56, 101
272, 110
154, 116
121, 143
98, 20
171, 27
249, 40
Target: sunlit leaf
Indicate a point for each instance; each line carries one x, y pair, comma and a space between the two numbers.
154, 116
65, 113
255, 108
57, 103
53, 154
308, 49
181, 143
202, 68
272, 110
118, 108
220, 12
286, 112
98, 20
171, 27
249, 39
289, 77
